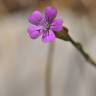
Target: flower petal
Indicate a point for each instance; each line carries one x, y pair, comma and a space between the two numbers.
48, 37
57, 25
34, 31
35, 18
50, 13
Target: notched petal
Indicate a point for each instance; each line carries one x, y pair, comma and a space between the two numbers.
48, 37
34, 31
57, 25
50, 13
35, 18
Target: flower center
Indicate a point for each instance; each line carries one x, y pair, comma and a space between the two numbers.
45, 24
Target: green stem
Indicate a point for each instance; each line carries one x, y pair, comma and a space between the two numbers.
79, 47
66, 37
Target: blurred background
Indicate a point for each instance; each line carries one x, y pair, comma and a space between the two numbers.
23, 61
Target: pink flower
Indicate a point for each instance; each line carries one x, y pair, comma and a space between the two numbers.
44, 26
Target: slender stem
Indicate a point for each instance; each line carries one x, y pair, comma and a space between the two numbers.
79, 47
66, 37
49, 70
